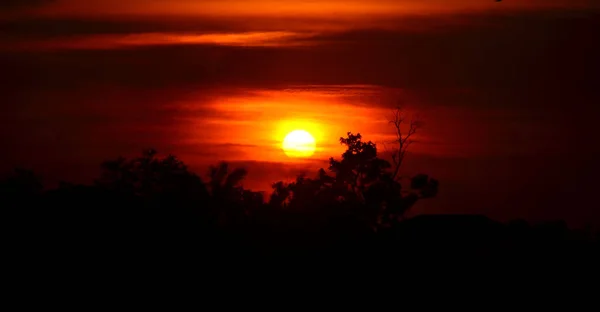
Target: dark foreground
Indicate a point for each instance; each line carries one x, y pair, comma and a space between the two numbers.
118, 235
151, 213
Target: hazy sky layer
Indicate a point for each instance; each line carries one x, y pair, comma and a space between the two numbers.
509, 98
280, 7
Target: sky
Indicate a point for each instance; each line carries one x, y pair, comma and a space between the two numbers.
258, 7
271, 7
507, 90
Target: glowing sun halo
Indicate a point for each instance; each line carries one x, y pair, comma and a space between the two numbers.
299, 143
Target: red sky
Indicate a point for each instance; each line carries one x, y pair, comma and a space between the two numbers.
506, 90
293, 7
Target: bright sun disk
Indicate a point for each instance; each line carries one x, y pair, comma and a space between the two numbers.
299, 144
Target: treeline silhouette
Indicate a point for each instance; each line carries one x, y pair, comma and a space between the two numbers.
154, 206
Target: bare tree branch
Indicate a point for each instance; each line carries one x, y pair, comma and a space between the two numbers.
403, 139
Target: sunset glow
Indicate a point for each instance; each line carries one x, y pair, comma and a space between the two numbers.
254, 126
505, 89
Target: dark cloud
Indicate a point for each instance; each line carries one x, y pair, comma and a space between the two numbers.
60, 27
20, 4
501, 53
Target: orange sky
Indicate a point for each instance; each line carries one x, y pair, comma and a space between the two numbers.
257, 121
293, 7
254, 122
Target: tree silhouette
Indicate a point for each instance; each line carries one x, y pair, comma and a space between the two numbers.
403, 138
362, 184
280, 195
225, 185
359, 165
156, 205
230, 203
149, 176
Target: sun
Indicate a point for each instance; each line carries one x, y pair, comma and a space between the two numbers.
299, 144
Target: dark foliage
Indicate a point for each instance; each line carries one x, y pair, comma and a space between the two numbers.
154, 208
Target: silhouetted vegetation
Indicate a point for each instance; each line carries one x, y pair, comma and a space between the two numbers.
155, 205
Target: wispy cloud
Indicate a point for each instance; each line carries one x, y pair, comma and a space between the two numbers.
116, 41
